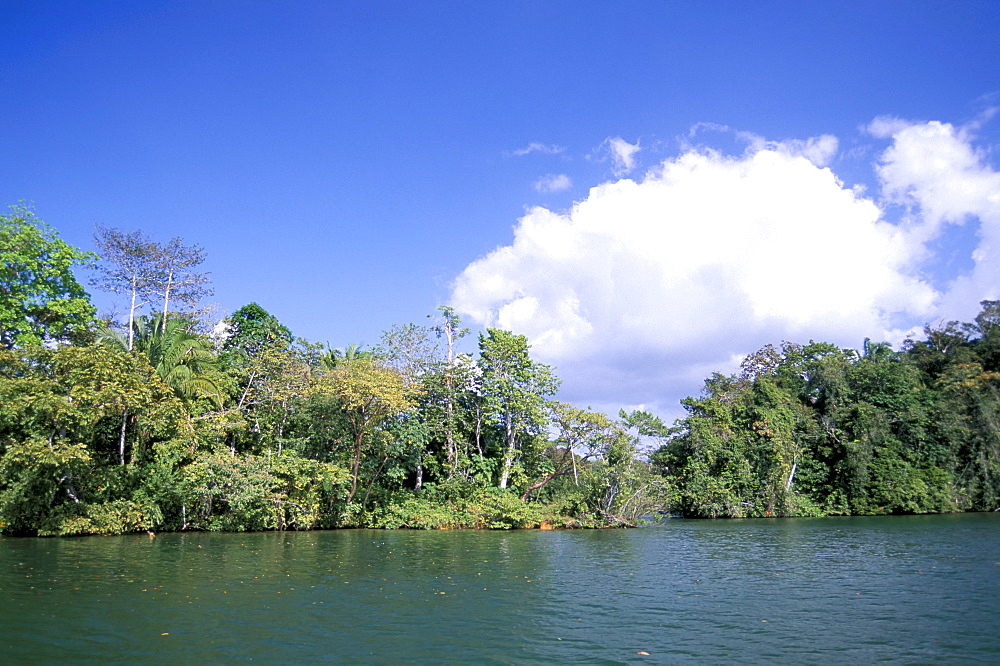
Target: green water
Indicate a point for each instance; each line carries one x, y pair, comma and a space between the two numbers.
921, 589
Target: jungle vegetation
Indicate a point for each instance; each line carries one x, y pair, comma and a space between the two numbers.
169, 421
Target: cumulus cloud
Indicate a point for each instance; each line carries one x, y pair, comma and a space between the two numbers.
553, 183
934, 170
536, 147
645, 287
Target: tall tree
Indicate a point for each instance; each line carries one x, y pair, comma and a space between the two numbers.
180, 281
181, 357
251, 329
258, 354
516, 390
370, 395
132, 265
449, 328
580, 436
40, 298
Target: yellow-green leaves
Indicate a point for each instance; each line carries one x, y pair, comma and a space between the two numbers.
370, 394
368, 389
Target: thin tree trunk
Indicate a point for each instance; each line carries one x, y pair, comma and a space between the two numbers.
253, 376
450, 429
121, 439
450, 405
166, 297
355, 467
479, 431
371, 485
508, 458
791, 476
131, 314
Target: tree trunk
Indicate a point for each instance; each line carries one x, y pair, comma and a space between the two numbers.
166, 297
450, 403
508, 457
355, 466
131, 313
450, 429
537, 485
791, 476
121, 439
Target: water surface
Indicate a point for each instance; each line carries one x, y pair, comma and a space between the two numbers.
920, 589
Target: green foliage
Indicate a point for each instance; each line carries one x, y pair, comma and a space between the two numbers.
515, 391
248, 492
480, 509
36, 475
252, 329
874, 433
40, 299
116, 517
370, 394
183, 359
162, 430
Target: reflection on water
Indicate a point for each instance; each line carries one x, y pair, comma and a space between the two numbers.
902, 589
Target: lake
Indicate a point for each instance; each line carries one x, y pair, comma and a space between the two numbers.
911, 589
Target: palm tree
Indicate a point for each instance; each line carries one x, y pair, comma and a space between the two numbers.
181, 357
336, 357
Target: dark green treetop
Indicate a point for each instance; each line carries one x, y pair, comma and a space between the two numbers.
253, 329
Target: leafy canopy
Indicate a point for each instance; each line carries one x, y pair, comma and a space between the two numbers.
40, 299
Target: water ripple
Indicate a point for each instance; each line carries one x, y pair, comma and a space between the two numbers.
899, 590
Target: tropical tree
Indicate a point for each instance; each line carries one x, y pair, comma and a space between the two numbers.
180, 282
131, 265
255, 351
331, 358
278, 379
370, 395
250, 330
40, 299
451, 376
182, 358
515, 393
581, 435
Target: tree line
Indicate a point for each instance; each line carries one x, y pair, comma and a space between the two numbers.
167, 421
162, 419
809, 430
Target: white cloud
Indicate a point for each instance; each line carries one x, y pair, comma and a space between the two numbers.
536, 147
934, 170
645, 287
697, 128
553, 183
622, 154
819, 150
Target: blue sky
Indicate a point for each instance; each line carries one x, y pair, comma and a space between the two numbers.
649, 190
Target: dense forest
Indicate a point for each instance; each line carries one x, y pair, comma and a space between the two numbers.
164, 419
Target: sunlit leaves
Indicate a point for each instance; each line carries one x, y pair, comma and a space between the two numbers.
515, 390
370, 394
40, 299
250, 492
